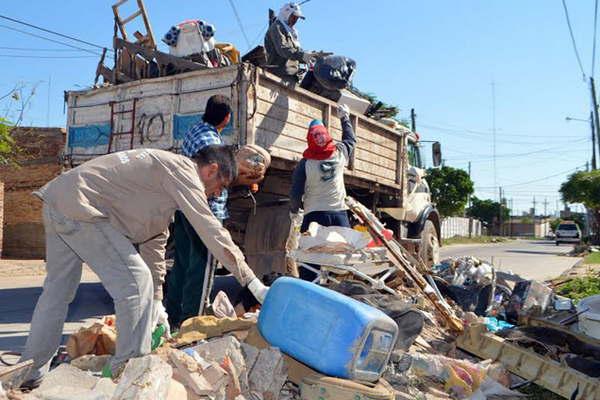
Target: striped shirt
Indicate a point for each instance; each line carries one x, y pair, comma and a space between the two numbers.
199, 136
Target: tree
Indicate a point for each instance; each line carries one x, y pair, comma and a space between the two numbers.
450, 189
584, 187
487, 211
8, 148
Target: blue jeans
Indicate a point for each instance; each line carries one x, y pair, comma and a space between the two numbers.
326, 218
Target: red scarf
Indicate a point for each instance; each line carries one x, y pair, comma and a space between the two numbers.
320, 142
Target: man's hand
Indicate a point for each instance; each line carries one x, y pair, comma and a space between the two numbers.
258, 289
160, 317
343, 111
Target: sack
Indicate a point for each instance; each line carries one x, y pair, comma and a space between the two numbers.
252, 162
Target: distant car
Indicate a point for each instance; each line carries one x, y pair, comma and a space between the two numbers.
567, 232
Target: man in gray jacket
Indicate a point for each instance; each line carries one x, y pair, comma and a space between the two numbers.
282, 44
95, 213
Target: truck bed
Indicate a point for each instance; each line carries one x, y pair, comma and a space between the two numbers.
157, 112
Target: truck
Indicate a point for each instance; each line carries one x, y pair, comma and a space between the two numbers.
385, 172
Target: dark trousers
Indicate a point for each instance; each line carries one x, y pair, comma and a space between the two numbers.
323, 218
186, 279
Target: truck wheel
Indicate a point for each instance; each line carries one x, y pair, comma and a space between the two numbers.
430, 245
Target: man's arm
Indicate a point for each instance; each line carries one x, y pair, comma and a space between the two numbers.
185, 187
153, 254
298, 183
283, 46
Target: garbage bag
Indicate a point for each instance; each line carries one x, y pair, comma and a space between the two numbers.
334, 72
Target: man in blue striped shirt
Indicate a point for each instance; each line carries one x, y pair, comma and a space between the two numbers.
188, 279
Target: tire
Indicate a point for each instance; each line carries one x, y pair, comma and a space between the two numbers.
429, 250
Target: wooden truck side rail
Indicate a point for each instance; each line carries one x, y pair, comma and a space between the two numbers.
267, 111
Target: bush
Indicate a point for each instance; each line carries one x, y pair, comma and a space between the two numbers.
580, 288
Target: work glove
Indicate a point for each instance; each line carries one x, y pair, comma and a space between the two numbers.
343, 111
258, 289
160, 317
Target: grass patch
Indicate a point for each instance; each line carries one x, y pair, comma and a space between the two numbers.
592, 258
580, 288
473, 240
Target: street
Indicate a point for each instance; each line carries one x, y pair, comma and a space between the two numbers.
533, 259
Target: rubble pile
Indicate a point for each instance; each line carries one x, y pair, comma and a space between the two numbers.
234, 357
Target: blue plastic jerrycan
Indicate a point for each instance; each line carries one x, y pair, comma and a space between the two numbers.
331, 333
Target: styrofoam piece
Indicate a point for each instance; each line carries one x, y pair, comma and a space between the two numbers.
589, 321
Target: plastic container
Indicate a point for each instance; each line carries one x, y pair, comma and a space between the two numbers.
329, 332
589, 321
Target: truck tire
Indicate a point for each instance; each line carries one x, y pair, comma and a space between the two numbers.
430, 245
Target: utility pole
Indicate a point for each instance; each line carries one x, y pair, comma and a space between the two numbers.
494, 131
500, 211
545, 206
593, 140
413, 120
534, 204
595, 111
510, 214
469, 197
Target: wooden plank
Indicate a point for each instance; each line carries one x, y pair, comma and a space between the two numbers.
375, 169
264, 122
275, 111
276, 96
374, 159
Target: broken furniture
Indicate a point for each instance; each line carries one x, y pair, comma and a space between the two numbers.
543, 371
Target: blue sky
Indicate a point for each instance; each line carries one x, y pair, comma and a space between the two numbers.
439, 57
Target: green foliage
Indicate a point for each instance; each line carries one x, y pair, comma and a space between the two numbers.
554, 224
582, 187
580, 288
450, 189
592, 258
487, 210
8, 148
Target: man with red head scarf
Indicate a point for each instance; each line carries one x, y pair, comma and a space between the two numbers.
318, 180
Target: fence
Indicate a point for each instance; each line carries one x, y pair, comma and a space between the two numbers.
459, 226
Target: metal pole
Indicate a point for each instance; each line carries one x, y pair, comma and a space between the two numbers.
593, 140
413, 120
595, 111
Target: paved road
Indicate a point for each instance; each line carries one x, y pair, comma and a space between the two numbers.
533, 259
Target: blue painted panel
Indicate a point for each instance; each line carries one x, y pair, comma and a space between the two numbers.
89, 135
183, 123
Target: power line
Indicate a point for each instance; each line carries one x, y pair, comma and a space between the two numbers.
52, 32
595, 26
34, 49
573, 38
239, 21
28, 56
48, 39
544, 178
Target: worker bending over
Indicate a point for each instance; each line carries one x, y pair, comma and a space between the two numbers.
282, 44
318, 179
95, 213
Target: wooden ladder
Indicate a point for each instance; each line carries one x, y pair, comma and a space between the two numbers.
113, 125
146, 40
